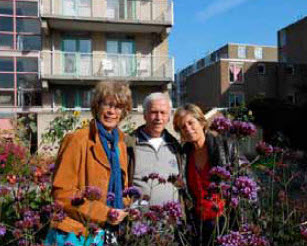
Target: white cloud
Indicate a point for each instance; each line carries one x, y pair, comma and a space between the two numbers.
218, 7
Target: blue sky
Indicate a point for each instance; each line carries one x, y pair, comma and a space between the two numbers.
202, 26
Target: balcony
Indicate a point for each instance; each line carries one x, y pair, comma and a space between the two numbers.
145, 16
61, 67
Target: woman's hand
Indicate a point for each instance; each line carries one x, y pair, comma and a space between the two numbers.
116, 216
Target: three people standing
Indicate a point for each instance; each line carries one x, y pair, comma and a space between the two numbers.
100, 156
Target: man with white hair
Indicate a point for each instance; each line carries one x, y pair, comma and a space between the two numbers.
154, 153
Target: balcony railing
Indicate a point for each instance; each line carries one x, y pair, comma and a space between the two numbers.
112, 10
96, 65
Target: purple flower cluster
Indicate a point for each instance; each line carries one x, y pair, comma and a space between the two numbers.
221, 125
239, 128
92, 193
132, 192
134, 214
110, 197
139, 229
155, 176
30, 220
264, 148
4, 191
113, 214
221, 172
245, 238
246, 188
303, 230
173, 211
242, 128
2, 230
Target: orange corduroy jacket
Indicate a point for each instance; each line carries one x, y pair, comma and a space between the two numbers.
82, 162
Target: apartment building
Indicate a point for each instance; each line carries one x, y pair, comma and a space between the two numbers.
292, 55
20, 44
53, 53
86, 41
229, 76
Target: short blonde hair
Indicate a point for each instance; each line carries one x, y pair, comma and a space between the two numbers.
120, 91
191, 109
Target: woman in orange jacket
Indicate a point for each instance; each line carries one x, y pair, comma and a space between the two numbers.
91, 166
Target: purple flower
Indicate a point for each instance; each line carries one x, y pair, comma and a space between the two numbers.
92, 193
139, 229
153, 176
173, 211
221, 125
58, 216
110, 197
134, 214
221, 172
263, 148
162, 180
151, 216
4, 191
133, 192
113, 214
2, 230
242, 128
234, 202
156, 208
303, 230
246, 188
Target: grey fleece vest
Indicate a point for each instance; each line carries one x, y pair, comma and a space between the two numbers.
163, 162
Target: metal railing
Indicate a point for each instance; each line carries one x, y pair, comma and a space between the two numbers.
98, 64
117, 10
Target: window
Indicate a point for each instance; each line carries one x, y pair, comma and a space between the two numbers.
258, 53
27, 65
282, 38
6, 80
26, 8
28, 42
235, 73
6, 41
6, 98
29, 98
290, 69
72, 98
242, 52
6, 24
23, 78
28, 81
6, 65
261, 68
28, 25
236, 99
6, 7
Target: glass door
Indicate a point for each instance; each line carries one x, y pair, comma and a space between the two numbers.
122, 54
77, 56
77, 7
69, 7
121, 9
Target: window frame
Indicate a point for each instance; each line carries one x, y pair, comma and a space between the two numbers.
255, 53
264, 69
236, 64
240, 47
235, 94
